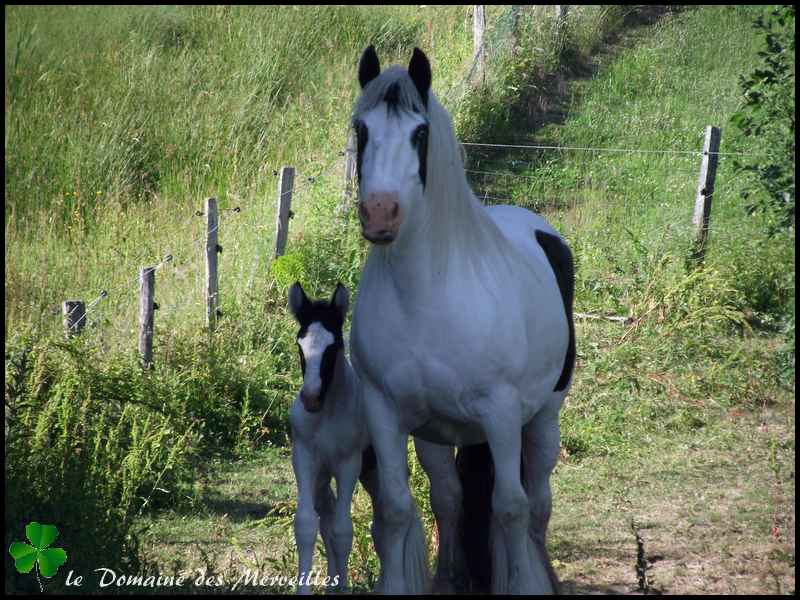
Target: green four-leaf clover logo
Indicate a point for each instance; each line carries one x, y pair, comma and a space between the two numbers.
27, 555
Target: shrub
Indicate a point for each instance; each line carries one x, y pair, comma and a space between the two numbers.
768, 117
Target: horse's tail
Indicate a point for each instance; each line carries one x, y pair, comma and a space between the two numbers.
476, 473
415, 558
483, 543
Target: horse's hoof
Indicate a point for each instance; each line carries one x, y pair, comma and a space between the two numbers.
443, 585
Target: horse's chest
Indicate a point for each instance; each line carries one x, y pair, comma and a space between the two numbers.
333, 445
331, 437
419, 373
448, 352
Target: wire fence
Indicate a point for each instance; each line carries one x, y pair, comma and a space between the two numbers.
569, 192
180, 287
571, 202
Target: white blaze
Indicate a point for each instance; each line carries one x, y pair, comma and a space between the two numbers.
313, 345
390, 163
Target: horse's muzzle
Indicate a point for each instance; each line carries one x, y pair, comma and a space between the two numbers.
380, 217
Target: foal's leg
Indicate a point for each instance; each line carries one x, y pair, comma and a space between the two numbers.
541, 444
369, 479
306, 470
439, 464
510, 509
325, 505
346, 477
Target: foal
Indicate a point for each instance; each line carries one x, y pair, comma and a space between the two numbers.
330, 439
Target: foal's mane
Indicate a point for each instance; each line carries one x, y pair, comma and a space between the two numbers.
455, 222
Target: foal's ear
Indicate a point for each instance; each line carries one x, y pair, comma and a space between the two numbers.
341, 300
369, 67
420, 71
297, 300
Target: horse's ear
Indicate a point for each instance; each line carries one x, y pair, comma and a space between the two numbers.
420, 71
341, 300
297, 300
369, 67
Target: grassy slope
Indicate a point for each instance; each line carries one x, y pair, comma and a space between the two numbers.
119, 120
653, 398
686, 432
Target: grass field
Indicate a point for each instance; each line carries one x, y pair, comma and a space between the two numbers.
680, 420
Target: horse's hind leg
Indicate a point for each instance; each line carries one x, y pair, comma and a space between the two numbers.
439, 464
540, 447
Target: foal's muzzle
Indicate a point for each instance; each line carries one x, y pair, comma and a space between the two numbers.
311, 402
380, 217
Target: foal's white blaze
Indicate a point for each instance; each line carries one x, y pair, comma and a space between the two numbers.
313, 345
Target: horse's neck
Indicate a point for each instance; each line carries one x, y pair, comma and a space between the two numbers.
438, 248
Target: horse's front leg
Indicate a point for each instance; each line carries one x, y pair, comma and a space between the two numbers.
402, 539
439, 465
306, 470
346, 474
517, 563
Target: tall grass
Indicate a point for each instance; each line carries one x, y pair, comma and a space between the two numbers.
120, 120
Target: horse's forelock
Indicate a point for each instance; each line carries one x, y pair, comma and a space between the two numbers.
393, 86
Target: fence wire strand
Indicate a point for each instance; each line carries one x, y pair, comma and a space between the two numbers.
497, 40
128, 288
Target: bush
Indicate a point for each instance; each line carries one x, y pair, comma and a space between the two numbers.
89, 445
768, 118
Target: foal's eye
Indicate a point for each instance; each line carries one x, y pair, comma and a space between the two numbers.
420, 134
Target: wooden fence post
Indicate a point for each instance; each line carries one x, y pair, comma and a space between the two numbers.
284, 213
212, 249
74, 317
705, 191
147, 283
479, 26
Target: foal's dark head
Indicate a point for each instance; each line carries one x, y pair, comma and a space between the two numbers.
319, 340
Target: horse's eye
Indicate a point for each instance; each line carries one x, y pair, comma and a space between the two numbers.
422, 133
361, 134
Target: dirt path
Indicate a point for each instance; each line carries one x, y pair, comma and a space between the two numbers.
715, 512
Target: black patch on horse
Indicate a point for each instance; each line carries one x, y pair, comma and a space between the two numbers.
419, 141
362, 136
419, 69
369, 462
392, 98
475, 469
369, 67
560, 259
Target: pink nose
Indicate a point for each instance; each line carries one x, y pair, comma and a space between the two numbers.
310, 401
380, 217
